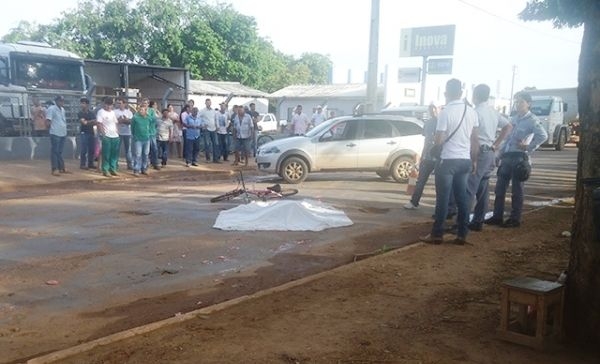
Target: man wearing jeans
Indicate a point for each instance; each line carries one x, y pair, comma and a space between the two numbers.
526, 136
124, 115
489, 122
209, 131
457, 131
87, 139
58, 134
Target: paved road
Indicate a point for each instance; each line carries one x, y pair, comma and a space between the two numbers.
129, 251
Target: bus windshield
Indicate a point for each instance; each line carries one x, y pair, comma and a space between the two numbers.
43, 73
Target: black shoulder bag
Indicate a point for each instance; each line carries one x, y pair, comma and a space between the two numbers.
436, 150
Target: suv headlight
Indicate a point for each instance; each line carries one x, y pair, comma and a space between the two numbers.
269, 150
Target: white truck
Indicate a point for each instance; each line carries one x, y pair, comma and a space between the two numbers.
32, 69
557, 110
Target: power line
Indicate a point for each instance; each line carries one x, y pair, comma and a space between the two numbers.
516, 23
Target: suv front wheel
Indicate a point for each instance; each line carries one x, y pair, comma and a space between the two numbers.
401, 168
294, 170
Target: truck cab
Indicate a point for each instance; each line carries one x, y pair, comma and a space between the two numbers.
32, 69
551, 112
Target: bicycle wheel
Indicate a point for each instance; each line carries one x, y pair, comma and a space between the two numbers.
288, 192
227, 196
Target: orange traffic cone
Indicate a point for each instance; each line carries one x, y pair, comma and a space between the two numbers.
412, 181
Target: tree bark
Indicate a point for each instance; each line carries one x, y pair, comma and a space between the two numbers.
582, 309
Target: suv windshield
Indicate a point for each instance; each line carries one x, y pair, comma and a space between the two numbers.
317, 129
48, 74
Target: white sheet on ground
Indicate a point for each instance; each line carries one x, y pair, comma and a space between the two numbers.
282, 215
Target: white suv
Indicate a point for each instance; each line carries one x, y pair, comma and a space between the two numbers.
386, 144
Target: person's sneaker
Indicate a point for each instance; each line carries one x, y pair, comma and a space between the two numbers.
475, 226
493, 221
64, 171
429, 239
145, 173
195, 164
114, 173
136, 174
55, 173
450, 216
106, 174
187, 164
452, 229
511, 223
459, 241
409, 206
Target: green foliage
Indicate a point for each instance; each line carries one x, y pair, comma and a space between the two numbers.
569, 13
214, 42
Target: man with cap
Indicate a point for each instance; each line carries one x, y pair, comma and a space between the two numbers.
319, 116
526, 136
58, 134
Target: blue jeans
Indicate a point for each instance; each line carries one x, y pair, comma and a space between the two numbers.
126, 143
425, 168
153, 151
478, 185
210, 136
224, 145
142, 148
506, 177
57, 145
192, 148
163, 151
87, 148
451, 176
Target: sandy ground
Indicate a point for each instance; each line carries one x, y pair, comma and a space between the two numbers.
422, 304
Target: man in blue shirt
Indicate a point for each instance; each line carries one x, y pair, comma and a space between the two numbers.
193, 123
525, 126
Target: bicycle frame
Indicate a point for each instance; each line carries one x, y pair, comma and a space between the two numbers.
242, 190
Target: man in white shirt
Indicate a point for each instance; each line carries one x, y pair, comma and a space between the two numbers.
124, 116
489, 122
299, 122
209, 130
456, 132
222, 130
107, 120
58, 134
318, 117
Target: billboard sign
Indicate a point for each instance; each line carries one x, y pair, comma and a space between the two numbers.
439, 66
427, 41
409, 75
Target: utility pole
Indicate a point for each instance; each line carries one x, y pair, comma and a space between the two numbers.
512, 87
423, 80
373, 58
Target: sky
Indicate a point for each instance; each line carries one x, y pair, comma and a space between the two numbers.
490, 40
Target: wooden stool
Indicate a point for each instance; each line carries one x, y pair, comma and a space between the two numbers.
539, 311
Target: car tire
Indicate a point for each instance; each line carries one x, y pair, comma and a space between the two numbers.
401, 168
383, 174
294, 170
562, 140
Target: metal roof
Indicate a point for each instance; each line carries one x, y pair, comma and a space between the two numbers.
133, 66
223, 88
348, 90
34, 48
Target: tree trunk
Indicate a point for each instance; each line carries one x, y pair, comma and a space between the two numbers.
582, 310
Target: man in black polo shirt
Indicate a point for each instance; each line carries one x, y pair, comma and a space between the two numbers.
87, 140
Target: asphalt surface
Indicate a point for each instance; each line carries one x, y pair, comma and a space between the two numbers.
89, 256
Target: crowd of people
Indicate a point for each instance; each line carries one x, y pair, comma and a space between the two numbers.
463, 146
148, 136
